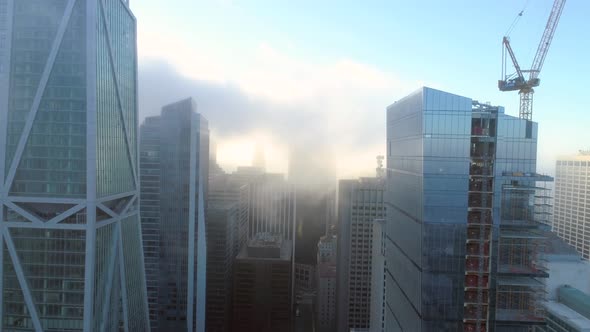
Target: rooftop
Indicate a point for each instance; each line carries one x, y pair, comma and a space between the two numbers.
267, 246
568, 315
557, 249
575, 299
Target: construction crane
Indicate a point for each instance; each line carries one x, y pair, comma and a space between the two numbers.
517, 80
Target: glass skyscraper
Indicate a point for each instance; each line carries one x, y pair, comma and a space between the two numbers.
71, 250
464, 206
174, 157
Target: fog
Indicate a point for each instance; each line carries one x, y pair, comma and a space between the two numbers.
306, 139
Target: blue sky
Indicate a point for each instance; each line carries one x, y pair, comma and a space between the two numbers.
374, 52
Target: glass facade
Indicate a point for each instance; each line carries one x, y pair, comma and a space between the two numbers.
448, 160
53, 162
71, 252
174, 157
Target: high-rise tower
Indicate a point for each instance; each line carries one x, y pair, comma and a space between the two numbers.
174, 155
464, 205
360, 202
70, 241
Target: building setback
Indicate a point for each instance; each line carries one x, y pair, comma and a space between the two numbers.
571, 219
174, 154
70, 248
464, 204
263, 285
360, 202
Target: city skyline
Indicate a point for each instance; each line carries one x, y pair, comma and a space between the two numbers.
217, 165
342, 64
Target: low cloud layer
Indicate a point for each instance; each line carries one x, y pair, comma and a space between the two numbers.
317, 121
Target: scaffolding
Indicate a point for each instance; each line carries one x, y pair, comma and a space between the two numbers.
479, 220
520, 290
504, 265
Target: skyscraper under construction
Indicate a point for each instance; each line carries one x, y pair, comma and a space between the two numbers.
464, 207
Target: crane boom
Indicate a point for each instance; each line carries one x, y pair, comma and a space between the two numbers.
547, 38
525, 86
506, 42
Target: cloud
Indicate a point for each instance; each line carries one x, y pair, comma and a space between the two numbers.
328, 117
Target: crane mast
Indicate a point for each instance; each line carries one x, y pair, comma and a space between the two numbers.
518, 81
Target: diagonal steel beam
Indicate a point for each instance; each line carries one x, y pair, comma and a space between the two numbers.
24, 285
65, 214
116, 196
38, 95
110, 212
129, 204
32, 218
118, 90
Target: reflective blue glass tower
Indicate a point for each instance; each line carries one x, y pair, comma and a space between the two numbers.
464, 206
71, 252
174, 152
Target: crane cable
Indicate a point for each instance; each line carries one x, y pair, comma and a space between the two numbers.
516, 19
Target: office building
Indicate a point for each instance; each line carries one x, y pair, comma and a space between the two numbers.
222, 218
571, 218
378, 275
227, 232
174, 161
360, 202
326, 284
223, 188
464, 207
272, 206
71, 246
263, 285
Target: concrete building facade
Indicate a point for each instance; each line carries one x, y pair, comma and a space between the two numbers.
360, 202
571, 218
174, 154
70, 242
